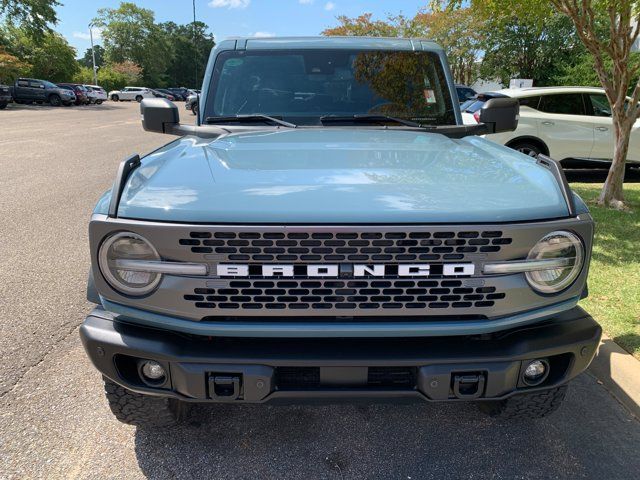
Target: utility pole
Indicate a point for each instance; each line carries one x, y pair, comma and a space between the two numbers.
195, 47
93, 55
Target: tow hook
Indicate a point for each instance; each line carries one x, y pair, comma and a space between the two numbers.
468, 386
224, 388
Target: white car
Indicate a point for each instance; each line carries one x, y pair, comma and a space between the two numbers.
131, 93
570, 124
99, 93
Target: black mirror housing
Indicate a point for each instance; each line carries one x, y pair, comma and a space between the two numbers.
500, 114
159, 115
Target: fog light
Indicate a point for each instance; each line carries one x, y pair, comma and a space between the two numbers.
153, 370
535, 371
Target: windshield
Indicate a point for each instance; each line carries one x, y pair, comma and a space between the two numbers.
302, 86
49, 84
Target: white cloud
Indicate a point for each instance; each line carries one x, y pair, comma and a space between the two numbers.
329, 6
264, 34
229, 3
305, 2
97, 34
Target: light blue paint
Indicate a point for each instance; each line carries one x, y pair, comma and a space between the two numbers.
340, 175
302, 329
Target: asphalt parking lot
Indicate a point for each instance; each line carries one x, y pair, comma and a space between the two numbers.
54, 420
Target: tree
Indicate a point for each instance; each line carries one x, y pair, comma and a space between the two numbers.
611, 56
457, 32
535, 47
34, 16
362, 26
87, 59
460, 33
11, 67
607, 29
50, 57
191, 45
130, 34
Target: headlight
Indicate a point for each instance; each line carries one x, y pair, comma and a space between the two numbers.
128, 246
556, 245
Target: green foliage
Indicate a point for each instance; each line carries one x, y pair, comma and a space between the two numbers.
119, 75
190, 46
84, 75
583, 70
32, 16
86, 60
50, 56
11, 67
131, 34
614, 275
518, 46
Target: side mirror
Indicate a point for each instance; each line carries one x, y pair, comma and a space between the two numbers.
500, 115
159, 115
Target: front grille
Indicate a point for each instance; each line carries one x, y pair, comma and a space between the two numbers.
397, 377
367, 246
365, 294
297, 377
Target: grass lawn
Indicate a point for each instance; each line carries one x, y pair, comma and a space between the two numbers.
614, 276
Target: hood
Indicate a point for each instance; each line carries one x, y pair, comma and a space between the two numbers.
340, 175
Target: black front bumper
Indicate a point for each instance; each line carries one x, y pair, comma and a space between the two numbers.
256, 370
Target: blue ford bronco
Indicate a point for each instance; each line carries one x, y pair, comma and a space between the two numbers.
329, 230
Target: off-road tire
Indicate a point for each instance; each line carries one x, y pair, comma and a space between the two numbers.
526, 405
115, 98
54, 100
138, 98
143, 410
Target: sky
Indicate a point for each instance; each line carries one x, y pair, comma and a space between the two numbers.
227, 18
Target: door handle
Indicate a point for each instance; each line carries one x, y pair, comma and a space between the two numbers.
546, 122
602, 129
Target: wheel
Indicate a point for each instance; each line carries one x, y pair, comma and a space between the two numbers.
54, 100
115, 98
528, 148
526, 405
3, 106
98, 102
138, 98
143, 410
194, 108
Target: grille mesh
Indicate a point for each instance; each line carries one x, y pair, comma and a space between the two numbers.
365, 294
394, 246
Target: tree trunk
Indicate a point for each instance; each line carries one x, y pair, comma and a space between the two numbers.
612, 194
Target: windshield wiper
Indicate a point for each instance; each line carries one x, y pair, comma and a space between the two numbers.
251, 118
367, 118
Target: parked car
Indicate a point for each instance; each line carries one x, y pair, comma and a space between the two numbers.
309, 241
164, 93
180, 93
101, 95
30, 90
570, 124
82, 96
5, 96
191, 104
130, 93
91, 95
465, 93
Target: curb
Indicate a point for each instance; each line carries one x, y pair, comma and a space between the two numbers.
619, 372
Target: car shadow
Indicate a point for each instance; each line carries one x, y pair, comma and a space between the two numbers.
393, 441
46, 106
599, 175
